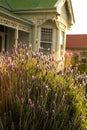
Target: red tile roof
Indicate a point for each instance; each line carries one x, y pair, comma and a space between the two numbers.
76, 41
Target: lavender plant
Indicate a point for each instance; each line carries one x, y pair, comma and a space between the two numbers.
35, 95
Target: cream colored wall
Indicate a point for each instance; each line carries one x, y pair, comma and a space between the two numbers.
64, 14
49, 20
38, 19
34, 16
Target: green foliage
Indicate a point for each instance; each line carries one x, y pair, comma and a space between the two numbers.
35, 95
82, 67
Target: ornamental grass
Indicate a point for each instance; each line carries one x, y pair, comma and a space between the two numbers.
36, 95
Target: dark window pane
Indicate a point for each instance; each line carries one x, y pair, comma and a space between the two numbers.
46, 39
0, 43
1, 28
46, 47
84, 60
46, 34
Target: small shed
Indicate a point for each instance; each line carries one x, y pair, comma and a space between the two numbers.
77, 43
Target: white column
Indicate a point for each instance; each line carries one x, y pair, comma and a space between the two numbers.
35, 39
29, 39
64, 47
39, 36
54, 39
58, 44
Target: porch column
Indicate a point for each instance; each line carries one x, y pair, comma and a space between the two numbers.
35, 45
39, 36
29, 39
16, 37
64, 47
54, 37
58, 43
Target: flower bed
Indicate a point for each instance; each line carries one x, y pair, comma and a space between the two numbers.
34, 95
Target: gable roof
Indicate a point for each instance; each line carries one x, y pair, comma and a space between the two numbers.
27, 4
17, 6
30, 4
76, 41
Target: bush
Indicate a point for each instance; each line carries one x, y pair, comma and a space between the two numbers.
35, 95
82, 67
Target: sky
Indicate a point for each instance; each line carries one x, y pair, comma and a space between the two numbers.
80, 10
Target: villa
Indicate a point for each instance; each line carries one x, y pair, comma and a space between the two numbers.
42, 23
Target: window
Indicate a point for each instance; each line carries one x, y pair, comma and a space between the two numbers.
3, 29
46, 39
83, 54
84, 60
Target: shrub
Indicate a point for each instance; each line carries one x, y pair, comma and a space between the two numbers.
82, 67
35, 95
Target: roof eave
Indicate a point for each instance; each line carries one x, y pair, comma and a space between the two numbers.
35, 10
17, 18
5, 7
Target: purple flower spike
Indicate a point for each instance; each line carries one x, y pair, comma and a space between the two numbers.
33, 78
59, 72
40, 49
46, 113
30, 46
10, 66
46, 88
31, 104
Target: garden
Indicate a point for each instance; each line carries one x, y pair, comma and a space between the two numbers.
36, 95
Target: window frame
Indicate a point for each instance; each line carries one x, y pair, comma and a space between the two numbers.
48, 32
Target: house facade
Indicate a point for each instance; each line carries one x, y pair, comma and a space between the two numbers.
41, 23
77, 44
